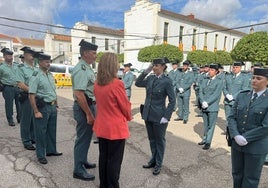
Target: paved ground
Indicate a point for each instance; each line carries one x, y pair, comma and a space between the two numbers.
186, 165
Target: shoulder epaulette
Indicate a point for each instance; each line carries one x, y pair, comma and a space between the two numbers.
245, 91
35, 73
21, 65
83, 67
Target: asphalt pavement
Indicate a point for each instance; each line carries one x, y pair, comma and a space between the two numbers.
186, 164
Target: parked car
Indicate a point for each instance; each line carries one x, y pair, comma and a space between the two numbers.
62, 74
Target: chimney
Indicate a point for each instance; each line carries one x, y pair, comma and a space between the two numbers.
191, 16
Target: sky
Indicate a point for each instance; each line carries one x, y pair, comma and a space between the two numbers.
110, 14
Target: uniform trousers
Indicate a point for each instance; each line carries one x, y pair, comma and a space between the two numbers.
83, 137
27, 123
110, 160
156, 135
10, 94
209, 119
183, 106
45, 131
246, 168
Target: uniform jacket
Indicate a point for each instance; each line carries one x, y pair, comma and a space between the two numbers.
185, 80
210, 92
128, 79
8, 73
233, 86
113, 111
157, 90
250, 121
173, 76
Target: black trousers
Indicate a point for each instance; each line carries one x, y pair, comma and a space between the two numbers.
110, 160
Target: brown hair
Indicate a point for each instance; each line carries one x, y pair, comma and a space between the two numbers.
107, 68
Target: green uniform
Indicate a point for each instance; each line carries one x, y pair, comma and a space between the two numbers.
83, 79
42, 85
157, 90
249, 119
184, 80
24, 73
11, 91
210, 91
128, 79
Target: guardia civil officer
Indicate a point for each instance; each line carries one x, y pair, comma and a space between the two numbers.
24, 72
43, 99
128, 79
209, 96
173, 76
156, 114
83, 79
10, 91
235, 82
248, 126
184, 82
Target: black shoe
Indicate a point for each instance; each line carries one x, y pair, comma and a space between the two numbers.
42, 160
206, 147
157, 170
185, 121
18, 120
33, 142
84, 176
54, 154
12, 124
265, 163
149, 165
178, 119
199, 115
29, 147
201, 143
89, 165
96, 141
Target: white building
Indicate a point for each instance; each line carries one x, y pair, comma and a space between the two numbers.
108, 40
59, 47
147, 24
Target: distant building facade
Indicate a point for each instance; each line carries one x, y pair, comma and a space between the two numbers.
147, 24
59, 47
108, 40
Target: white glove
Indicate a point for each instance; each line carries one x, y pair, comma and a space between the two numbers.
204, 105
229, 97
163, 120
240, 140
149, 69
181, 90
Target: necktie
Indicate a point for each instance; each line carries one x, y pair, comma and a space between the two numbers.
254, 97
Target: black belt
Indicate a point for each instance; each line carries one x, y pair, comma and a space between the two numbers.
51, 103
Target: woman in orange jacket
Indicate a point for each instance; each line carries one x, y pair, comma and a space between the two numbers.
111, 122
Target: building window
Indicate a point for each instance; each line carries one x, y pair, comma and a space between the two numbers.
93, 40
194, 40
233, 43
118, 46
106, 44
224, 43
206, 41
216, 43
60, 48
165, 32
180, 38
70, 48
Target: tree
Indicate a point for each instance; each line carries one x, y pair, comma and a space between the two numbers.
147, 54
252, 47
223, 57
99, 55
201, 57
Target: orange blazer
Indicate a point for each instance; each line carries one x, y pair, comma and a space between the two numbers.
113, 111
